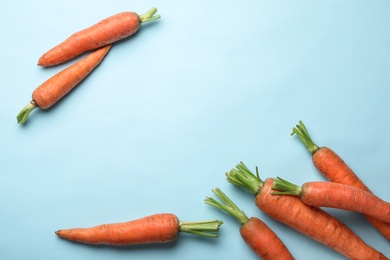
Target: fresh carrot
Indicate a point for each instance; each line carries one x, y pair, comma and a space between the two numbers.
330, 164
107, 31
52, 90
308, 220
261, 238
335, 195
157, 228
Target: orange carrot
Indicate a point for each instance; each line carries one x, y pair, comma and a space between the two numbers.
335, 169
158, 228
52, 90
107, 31
336, 195
308, 220
262, 239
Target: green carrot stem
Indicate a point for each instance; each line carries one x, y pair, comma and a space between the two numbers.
25, 112
301, 131
241, 176
226, 205
208, 228
149, 16
284, 187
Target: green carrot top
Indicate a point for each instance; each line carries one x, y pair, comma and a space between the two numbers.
226, 205
284, 187
149, 16
206, 228
243, 177
301, 131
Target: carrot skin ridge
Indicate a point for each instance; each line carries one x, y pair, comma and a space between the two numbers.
107, 31
333, 167
336, 195
157, 228
56, 87
256, 234
310, 221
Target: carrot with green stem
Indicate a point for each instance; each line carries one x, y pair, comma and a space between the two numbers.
107, 31
308, 220
335, 195
157, 228
262, 239
335, 169
56, 87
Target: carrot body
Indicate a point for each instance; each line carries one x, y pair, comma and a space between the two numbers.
56, 87
107, 31
263, 241
333, 167
315, 223
337, 195
158, 228
48, 93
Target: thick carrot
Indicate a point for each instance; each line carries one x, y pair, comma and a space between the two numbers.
52, 90
262, 239
308, 220
335, 169
158, 228
335, 195
107, 31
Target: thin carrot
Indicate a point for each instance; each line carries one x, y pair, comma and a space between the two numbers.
157, 228
262, 239
52, 90
308, 220
107, 31
335, 195
335, 169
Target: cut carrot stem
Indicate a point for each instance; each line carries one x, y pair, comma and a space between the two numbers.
332, 166
308, 220
262, 239
336, 195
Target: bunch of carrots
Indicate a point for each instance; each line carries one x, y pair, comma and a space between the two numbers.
97, 38
299, 207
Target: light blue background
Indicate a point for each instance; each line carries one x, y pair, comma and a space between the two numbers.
170, 110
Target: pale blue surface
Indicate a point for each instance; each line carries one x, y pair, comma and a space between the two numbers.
173, 108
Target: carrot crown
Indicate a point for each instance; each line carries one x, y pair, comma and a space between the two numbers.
206, 228
149, 16
25, 112
284, 187
227, 205
301, 131
243, 177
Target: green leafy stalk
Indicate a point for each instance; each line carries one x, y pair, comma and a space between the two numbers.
241, 176
284, 187
25, 112
301, 131
208, 228
149, 16
226, 205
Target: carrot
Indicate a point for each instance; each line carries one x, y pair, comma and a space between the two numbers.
157, 228
308, 220
52, 90
107, 31
330, 164
262, 239
335, 195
